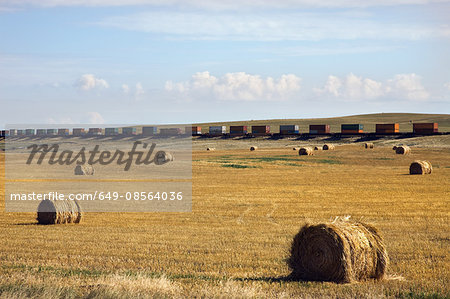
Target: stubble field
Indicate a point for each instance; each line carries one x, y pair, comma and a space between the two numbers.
247, 206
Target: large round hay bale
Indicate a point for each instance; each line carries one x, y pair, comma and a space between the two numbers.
368, 145
210, 149
253, 148
85, 169
403, 150
307, 151
163, 157
420, 167
58, 212
341, 251
318, 148
328, 146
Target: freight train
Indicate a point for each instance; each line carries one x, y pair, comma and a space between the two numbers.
234, 131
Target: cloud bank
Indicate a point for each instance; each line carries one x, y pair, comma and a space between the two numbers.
235, 86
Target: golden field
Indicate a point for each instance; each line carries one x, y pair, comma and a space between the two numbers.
247, 206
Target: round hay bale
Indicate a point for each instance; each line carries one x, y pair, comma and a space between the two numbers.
328, 146
368, 145
210, 149
163, 157
341, 251
420, 167
307, 151
318, 148
403, 150
84, 169
59, 212
253, 148
394, 147
295, 148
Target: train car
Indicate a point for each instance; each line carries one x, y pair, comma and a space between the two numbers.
41, 132
12, 132
78, 132
238, 130
111, 131
319, 129
95, 131
386, 128
289, 129
217, 130
260, 130
149, 131
129, 131
51, 132
425, 128
195, 130
63, 132
352, 128
170, 131
20, 132
30, 132
3, 133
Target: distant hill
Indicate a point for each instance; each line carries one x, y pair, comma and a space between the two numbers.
368, 120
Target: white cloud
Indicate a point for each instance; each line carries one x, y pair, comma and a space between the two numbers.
236, 86
139, 89
352, 87
88, 82
95, 118
409, 86
125, 88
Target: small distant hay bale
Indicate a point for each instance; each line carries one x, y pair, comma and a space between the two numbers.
420, 167
340, 251
403, 150
394, 147
328, 146
163, 157
211, 149
253, 148
58, 212
295, 148
306, 151
318, 148
368, 145
85, 169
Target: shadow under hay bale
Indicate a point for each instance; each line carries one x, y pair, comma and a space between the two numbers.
420, 167
253, 148
368, 145
162, 157
58, 212
84, 170
306, 151
402, 150
210, 149
341, 252
327, 147
394, 147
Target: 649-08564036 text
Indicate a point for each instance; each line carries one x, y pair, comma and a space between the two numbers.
101, 196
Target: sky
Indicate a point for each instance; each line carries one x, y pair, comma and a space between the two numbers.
188, 61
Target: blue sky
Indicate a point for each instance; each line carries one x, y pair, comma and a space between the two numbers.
154, 61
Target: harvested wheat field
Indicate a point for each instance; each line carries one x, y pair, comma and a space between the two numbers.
247, 209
